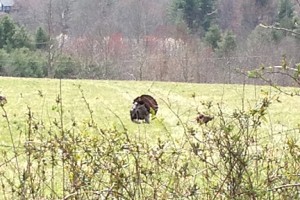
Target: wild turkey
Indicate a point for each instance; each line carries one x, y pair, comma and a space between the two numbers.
139, 112
149, 102
143, 106
203, 119
2, 100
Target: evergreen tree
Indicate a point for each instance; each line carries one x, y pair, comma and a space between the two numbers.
261, 2
285, 10
41, 38
213, 36
7, 30
13, 36
197, 14
227, 44
26, 63
207, 14
285, 19
20, 39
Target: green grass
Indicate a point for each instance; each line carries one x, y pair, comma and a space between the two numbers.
110, 102
110, 98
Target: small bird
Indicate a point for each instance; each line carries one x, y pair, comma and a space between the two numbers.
203, 119
2, 100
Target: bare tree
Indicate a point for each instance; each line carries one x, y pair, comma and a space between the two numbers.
29, 13
50, 24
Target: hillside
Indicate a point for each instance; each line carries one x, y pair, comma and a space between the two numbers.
196, 41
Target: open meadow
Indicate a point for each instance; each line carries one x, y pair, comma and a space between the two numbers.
73, 139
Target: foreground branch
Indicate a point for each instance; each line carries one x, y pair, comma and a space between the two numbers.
279, 28
285, 186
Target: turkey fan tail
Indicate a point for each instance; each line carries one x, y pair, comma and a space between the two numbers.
149, 102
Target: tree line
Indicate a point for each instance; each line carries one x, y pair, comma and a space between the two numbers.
110, 39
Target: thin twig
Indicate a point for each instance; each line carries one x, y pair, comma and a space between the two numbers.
95, 193
285, 186
12, 140
62, 135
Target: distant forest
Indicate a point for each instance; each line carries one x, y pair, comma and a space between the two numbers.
203, 41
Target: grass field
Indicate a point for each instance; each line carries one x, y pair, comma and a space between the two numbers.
107, 103
110, 98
